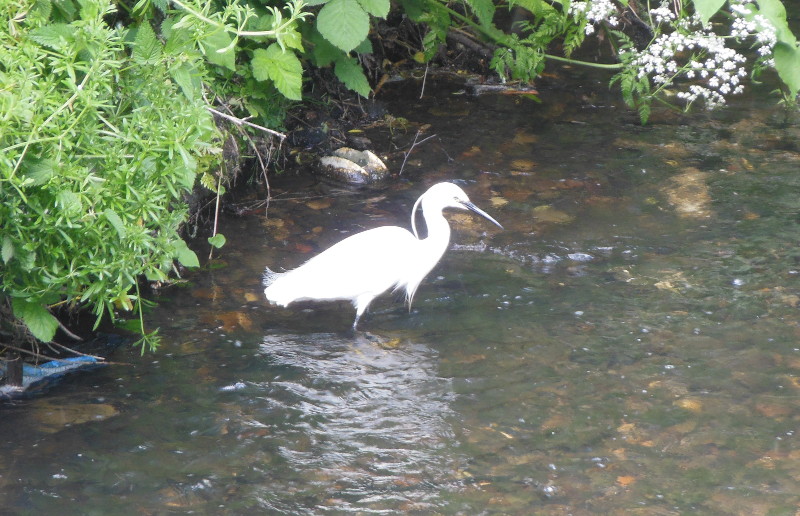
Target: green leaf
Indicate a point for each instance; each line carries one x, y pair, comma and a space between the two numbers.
8, 249
116, 222
186, 177
219, 50
42, 8
292, 39
344, 23
323, 53
538, 8
65, 8
414, 9
365, 47
36, 317
185, 256
377, 8
56, 36
217, 240
282, 68
707, 8
153, 274
775, 12
349, 71
40, 171
787, 63
69, 201
146, 47
188, 78
483, 10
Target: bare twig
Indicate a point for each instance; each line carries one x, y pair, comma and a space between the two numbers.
68, 333
261, 160
413, 144
26, 351
240, 121
66, 348
424, 78
216, 214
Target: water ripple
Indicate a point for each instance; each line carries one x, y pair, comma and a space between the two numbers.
375, 419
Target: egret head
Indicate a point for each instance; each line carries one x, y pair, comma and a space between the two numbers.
447, 195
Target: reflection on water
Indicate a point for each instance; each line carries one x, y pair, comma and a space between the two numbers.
369, 424
628, 345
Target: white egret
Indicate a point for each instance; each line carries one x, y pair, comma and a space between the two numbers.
365, 265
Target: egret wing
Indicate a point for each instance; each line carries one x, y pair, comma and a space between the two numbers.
369, 262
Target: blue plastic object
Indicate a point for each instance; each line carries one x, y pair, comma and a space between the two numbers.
37, 376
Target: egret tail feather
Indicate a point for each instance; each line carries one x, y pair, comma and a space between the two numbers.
270, 276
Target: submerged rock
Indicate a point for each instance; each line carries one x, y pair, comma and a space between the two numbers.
689, 194
353, 166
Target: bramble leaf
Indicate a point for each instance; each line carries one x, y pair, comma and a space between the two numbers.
323, 53
216, 42
377, 8
282, 68
344, 23
349, 71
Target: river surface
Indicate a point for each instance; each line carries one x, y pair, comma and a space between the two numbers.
629, 344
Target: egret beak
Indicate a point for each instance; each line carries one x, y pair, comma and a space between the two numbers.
468, 205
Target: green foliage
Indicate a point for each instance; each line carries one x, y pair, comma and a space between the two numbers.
633, 86
282, 68
786, 53
707, 8
217, 240
99, 142
787, 63
349, 71
36, 317
255, 46
344, 23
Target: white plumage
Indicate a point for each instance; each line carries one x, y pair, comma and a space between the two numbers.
363, 266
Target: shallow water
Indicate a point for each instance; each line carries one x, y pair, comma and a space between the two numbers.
629, 344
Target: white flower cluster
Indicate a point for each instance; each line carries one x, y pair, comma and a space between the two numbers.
662, 14
595, 11
747, 24
696, 53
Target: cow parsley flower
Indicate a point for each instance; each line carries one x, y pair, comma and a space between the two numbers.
691, 56
662, 14
594, 11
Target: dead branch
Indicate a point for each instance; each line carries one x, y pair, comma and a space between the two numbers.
413, 144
